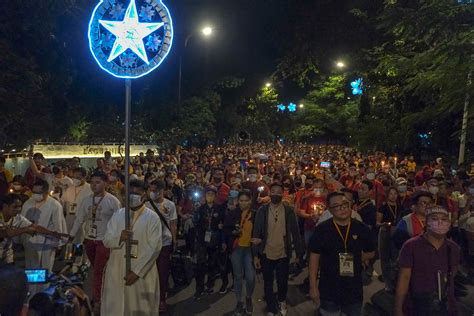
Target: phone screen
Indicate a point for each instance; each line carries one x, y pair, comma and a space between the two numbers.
325, 164
36, 275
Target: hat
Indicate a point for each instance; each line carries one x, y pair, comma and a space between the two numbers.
436, 210
439, 159
401, 181
210, 188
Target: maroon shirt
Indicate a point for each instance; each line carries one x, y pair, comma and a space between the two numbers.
425, 261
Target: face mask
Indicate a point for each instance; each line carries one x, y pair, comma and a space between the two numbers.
308, 185
233, 193
153, 196
286, 185
438, 227
433, 190
17, 187
112, 178
252, 177
402, 188
238, 180
135, 201
76, 182
145, 167
298, 184
371, 176
471, 191
37, 197
318, 192
276, 199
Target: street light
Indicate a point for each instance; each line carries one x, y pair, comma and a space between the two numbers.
268, 84
301, 106
206, 32
340, 64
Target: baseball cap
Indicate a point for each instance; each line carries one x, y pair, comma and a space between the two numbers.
210, 188
436, 210
401, 181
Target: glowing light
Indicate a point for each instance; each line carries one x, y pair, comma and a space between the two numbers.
268, 85
291, 107
207, 31
340, 64
281, 107
357, 86
130, 43
301, 106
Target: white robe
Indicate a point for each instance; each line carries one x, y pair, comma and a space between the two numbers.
143, 297
40, 250
71, 200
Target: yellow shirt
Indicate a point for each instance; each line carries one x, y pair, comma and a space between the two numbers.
8, 175
247, 227
411, 166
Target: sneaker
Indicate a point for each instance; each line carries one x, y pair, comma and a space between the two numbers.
223, 289
283, 308
248, 306
238, 309
198, 295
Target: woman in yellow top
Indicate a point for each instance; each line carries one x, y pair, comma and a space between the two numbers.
238, 228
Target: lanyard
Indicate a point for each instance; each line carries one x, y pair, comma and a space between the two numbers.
245, 218
420, 222
76, 193
364, 204
340, 233
136, 218
95, 206
394, 213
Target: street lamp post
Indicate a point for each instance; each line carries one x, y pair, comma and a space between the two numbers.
206, 32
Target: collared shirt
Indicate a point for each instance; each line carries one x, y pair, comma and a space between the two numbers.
106, 207
275, 246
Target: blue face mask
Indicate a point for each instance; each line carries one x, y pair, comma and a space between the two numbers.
233, 194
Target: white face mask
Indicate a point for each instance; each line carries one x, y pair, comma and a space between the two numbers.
402, 188
371, 176
318, 192
17, 187
252, 177
433, 190
76, 182
37, 197
135, 200
154, 196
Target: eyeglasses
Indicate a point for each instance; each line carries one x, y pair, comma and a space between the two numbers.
339, 207
425, 203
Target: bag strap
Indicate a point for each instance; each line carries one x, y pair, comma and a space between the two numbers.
163, 219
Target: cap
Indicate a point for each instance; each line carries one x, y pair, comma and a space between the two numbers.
438, 173
401, 181
210, 188
439, 159
436, 210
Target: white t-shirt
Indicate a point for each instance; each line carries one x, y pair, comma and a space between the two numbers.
53, 182
6, 250
168, 210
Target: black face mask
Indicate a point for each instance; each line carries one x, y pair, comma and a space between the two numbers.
298, 184
286, 185
308, 185
276, 199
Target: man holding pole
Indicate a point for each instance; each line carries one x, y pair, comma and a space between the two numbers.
137, 291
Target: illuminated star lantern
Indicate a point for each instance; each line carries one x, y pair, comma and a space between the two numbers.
291, 107
357, 86
132, 42
281, 107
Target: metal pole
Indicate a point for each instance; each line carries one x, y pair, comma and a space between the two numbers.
462, 145
179, 82
128, 101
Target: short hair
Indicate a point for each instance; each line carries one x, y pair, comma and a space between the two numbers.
8, 199
333, 195
138, 184
416, 196
38, 156
100, 174
252, 168
83, 171
13, 290
246, 193
276, 184
369, 184
160, 184
217, 168
43, 184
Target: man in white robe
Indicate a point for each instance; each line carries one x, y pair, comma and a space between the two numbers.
136, 293
42, 210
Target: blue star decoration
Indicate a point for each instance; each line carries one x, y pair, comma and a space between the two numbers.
281, 107
291, 107
130, 33
357, 86
130, 40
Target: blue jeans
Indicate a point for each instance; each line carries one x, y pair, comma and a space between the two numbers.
328, 308
242, 264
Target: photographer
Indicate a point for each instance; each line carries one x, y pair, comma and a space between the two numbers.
238, 228
428, 264
13, 291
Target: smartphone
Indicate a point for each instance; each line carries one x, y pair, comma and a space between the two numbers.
325, 164
36, 276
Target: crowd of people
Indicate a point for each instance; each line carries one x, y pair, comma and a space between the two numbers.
241, 210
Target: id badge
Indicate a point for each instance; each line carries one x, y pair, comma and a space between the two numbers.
346, 264
72, 209
134, 249
93, 231
207, 237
